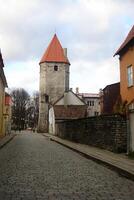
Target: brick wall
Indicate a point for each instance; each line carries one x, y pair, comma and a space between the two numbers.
107, 132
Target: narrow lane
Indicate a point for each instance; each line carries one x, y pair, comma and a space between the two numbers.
33, 167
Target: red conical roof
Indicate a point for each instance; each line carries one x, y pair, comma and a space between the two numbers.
129, 37
54, 52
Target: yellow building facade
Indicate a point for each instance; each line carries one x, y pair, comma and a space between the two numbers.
3, 85
7, 114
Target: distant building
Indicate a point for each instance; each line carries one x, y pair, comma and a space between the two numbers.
126, 57
68, 106
108, 98
3, 85
93, 102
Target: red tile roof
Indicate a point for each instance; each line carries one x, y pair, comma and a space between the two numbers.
54, 52
70, 112
129, 37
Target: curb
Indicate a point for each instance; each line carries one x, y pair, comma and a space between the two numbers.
5, 141
118, 169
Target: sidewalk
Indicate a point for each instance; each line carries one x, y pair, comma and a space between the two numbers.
6, 139
119, 162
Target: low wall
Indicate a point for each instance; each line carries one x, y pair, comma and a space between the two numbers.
107, 132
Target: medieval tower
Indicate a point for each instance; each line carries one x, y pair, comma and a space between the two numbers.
54, 79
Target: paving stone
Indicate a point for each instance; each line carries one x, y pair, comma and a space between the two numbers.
35, 168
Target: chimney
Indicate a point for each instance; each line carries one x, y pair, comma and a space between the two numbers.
65, 98
65, 52
101, 92
77, 90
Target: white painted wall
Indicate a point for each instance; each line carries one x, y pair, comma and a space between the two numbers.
70, 99
51, 121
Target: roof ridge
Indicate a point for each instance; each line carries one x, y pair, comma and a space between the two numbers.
128, 38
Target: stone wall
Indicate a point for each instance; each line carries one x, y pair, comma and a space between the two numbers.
107, 132
2, 93
53, 84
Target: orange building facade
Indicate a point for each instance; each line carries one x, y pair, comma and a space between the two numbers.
126, 57
126, 62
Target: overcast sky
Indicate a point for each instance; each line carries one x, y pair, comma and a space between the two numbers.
92, 30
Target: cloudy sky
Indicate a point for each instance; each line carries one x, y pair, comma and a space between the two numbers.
92, 30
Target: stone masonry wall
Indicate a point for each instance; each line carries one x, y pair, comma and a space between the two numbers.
107, 132
52, 84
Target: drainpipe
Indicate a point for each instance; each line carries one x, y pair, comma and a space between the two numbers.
65, 99
128, 132
128, 136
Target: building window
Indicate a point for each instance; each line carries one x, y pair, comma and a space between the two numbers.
96, 113
130, 75
131, 106
91, 103
55, 68
46, 98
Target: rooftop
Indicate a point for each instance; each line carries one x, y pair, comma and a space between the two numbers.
70, 112
91, 95
54, 52
129, 38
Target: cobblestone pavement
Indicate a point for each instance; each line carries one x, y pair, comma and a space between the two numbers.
34, 168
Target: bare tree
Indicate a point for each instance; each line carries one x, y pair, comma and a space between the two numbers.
33, 111
20, 99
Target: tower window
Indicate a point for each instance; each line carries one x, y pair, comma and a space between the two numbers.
55, 68
46, 98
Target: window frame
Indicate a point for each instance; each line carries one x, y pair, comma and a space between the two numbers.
130, 76
91, 102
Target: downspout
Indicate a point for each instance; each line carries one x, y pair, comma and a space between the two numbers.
128, 132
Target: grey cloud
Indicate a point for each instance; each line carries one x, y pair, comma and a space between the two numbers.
92, 34
28, 30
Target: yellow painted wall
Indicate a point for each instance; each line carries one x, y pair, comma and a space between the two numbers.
7, 119
127, 93
2, 94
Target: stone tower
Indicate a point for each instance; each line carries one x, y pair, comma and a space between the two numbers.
54, 79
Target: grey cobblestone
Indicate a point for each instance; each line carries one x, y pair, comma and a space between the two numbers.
35, 168
6, 139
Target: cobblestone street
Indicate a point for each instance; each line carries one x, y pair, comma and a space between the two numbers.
33, 167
